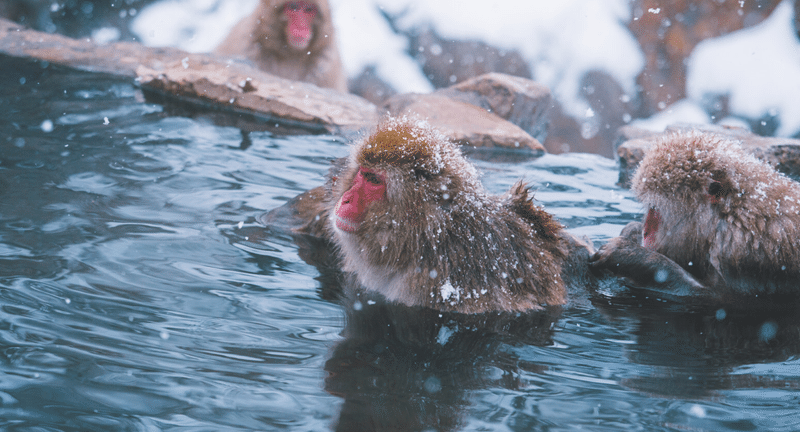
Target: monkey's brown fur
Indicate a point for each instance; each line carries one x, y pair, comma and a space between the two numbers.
260, 38
438, 239
730, 220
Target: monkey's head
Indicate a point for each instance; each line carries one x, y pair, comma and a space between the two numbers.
403, 165
694, 184
399, 187
299, 18
301, 25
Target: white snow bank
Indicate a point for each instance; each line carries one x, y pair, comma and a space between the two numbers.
561, 40
682, 111
365, 38
759, 67
191, 25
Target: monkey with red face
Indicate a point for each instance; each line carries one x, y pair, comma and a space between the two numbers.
719, 223
292, 39
413, 223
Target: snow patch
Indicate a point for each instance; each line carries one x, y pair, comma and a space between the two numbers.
683, 111
448, 291
444, 334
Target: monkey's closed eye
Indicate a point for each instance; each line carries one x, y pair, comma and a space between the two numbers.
372, 177
422, 174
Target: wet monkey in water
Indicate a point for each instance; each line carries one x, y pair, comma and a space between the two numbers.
719, 223
292, 39
413, 223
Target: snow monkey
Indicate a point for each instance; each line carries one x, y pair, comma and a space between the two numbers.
413, 223
728, 221
292, 39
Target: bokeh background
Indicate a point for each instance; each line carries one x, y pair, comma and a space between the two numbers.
649, 63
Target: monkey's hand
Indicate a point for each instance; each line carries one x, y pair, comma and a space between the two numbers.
624, 256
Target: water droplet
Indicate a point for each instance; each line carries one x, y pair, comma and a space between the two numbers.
432, 385
697, 411
768, 331
47, 126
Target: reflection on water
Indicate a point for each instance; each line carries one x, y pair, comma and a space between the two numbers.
401, 368
139, 292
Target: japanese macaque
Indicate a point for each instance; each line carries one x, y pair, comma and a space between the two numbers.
719, 223
292, 39
413, 223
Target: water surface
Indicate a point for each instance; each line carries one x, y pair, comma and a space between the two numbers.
139, 292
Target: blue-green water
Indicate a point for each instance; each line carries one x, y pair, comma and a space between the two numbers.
138, 292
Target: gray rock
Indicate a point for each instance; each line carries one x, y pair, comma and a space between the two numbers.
519, 100
251, 91
369, 85
463, 122
446, 61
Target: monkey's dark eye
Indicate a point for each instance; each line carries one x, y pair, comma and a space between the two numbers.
715, 188
371, 177
293, 6
311, 9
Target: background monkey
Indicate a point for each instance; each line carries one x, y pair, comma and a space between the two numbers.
291, 39
729, 220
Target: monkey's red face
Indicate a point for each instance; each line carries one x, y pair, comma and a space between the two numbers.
300, 23
651, 224
368, 187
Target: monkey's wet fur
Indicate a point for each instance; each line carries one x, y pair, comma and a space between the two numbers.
731, 222
414, 223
